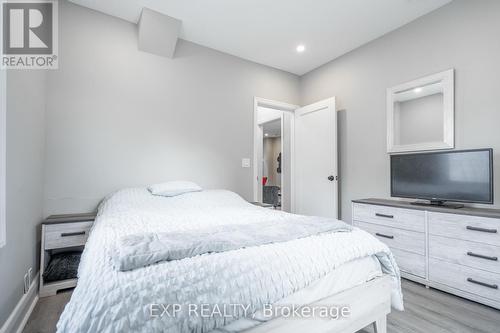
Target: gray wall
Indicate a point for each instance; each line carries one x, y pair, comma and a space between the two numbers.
25, 165
462, 35
118, 117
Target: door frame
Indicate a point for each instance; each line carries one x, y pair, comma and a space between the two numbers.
317, 106
258, 140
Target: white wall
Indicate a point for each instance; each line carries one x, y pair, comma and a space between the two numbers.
462, 35
118, 117
25, 165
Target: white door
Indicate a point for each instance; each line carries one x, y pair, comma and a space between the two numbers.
315, 175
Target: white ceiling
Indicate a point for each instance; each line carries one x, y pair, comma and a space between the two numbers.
268, 31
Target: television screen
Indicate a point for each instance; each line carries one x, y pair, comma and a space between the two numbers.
462, 176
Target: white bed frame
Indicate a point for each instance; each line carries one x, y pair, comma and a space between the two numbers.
369, 303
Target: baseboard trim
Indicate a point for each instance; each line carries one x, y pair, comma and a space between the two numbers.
23, 322
21, 313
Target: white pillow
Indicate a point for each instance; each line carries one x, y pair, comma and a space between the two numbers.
171, 189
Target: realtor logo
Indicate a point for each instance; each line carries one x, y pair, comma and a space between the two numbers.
29, 34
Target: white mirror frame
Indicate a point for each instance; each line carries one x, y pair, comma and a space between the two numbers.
447, 79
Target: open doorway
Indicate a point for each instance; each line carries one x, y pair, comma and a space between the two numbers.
309, 172
273, 147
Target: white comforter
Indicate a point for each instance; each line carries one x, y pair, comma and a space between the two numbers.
109, 300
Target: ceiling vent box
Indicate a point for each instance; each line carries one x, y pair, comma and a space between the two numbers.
158, 33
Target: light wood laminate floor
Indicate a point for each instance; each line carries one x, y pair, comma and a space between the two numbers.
427, 311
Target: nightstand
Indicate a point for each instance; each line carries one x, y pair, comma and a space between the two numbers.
263, 205
60, 234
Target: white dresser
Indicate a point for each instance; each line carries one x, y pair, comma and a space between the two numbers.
455, 250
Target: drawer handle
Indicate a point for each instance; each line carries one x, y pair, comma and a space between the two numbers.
492, 286
68, 234
384, 215
472, 254
491, 231
385, 236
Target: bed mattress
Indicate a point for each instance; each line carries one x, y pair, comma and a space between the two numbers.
347, 276
306, 269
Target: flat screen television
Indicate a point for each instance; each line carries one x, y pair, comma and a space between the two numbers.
458, 176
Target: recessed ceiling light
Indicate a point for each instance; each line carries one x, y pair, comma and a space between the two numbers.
267, 134
301, 48
417, 90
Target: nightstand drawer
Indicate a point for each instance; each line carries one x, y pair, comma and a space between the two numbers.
63, 235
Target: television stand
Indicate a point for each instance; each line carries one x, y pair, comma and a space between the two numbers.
437, 203
430, 244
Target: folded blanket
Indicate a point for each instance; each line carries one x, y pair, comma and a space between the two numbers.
135, 251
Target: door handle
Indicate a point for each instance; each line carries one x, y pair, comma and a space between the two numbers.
331, 178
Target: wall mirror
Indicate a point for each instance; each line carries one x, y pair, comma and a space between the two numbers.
420, 114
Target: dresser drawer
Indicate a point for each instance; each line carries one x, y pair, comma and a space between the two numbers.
66, 234
407, 219
471, 228
472, 254
410, 263
471, 280
409, 241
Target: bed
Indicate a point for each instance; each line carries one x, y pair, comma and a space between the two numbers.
348, 268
